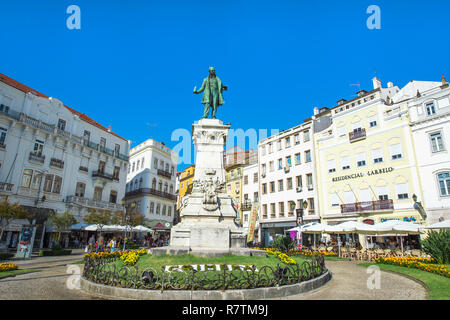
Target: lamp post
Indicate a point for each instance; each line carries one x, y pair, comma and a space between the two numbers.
299, 213
418, 206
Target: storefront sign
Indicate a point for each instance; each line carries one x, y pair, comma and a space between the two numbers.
362, 174
252, 222
408, 219
369, 221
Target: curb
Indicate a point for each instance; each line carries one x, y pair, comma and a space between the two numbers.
237, 294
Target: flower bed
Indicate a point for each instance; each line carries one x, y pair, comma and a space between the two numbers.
209, 267
129, 257
6, 266
281, 256
309, 253
424, 264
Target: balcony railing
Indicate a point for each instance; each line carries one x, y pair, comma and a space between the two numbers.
57, 163
102, 174
164, 173
106, 150
367, 206
246, 205
91, 144
2, 145
357, 135
6, 187
36, 157
93, 203
151, 192
85, 169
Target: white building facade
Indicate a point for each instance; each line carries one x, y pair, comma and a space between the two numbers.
287, 177
430, 124
250, 193
54, 158
151, 182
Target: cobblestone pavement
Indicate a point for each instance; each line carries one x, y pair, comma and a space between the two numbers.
349, 282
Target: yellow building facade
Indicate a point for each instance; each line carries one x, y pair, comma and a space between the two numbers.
366, 166
234, 182
186, 178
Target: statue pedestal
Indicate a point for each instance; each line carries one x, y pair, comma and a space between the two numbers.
207, 214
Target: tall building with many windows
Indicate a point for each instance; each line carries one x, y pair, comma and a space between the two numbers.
366, 166
287, 177
55, 159
151, 182
429, 109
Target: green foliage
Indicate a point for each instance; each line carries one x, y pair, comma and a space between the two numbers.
101, 217
437, 244
283, 243
54, 252
135, 218
6, 256
62, 222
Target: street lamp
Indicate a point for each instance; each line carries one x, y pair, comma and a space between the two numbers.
418, 206
299, 211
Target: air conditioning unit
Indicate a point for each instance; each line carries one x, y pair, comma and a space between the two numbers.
286, 169
263, 175
310, 187
299, 189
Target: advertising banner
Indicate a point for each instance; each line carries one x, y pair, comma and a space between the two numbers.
25, 246
252, 222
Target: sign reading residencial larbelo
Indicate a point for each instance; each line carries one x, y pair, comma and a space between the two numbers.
362, 174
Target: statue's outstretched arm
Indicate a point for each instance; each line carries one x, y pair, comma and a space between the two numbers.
202, 87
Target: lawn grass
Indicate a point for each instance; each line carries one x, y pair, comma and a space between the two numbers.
438, 286
13, 273
158, 261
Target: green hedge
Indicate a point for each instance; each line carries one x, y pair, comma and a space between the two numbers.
57, 252
6, 256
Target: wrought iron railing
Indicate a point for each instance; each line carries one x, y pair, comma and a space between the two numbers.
152, 192
85, 169
86, 202
164, 173
6, 187
57, 163
357, 135
104, 175
367, 206
36, 157
105, 271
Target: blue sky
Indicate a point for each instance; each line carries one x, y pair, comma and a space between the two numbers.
133, 64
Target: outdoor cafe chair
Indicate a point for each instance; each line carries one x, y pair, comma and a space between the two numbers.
361, 254
352, 253
344, 252
322, 249
387, 252
330, 249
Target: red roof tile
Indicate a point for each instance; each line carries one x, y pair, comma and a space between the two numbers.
20, 86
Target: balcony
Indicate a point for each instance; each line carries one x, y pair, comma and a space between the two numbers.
91, 144
164, 173
106, 150
6, 187
246, 205
57, 163
85, 169
357, 135
2, 146
368, 206
150, 191
36, 157
90, 203
104, 175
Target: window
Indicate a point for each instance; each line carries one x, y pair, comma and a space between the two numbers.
280, 164
310, 181
57, 183
334, 200
171, 189
272, 209
132, 170
298, 181
169, 211
270, 148
116, 149
444, 183
80, 189
102, 143
142, 163
305, 136
372, 121
297, 139
349, 197
158, 208
279, 145
360, 159
365, 195
280, 208
396, 151
152, 207
26, 178
255, 196
263, 168
113, 196
163, 210
116, 172
311, 205
264, 210
288, 142
280, 185
155, 163
272, 186
101, 166
36, 182
308, 156
289, 183
288, 161
342, 131
263, 150
401, 190
38, 147
264, 188
271, 167
98, 193
246, 179
137, 164
2, 135
437, 144
377, 155
331, 165
61, 124
297, 158
255, 177
160, 186
430, 108
48, 182
345, 162
154, 184
382, 193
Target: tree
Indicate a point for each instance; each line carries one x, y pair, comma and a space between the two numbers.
62, 222
135, 218
100, 218
9, 212
437, 244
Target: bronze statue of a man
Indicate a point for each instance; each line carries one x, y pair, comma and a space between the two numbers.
212, 96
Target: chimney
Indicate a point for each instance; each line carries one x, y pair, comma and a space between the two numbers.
390, 84
316, 111
109, 128
376, 83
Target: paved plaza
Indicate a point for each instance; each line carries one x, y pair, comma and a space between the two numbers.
349, 282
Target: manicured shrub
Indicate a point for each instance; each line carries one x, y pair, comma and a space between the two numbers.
6, 256
52, 252
437, 244
283, 243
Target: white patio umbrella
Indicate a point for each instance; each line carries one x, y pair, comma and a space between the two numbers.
141, 229
93, 227
439, 225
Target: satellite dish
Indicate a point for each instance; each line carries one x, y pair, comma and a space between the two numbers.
167, 224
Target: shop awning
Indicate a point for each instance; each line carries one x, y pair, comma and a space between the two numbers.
439, 225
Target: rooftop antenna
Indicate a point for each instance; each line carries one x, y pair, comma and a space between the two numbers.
356, 85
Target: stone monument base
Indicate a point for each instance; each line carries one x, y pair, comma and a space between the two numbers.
207, 253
